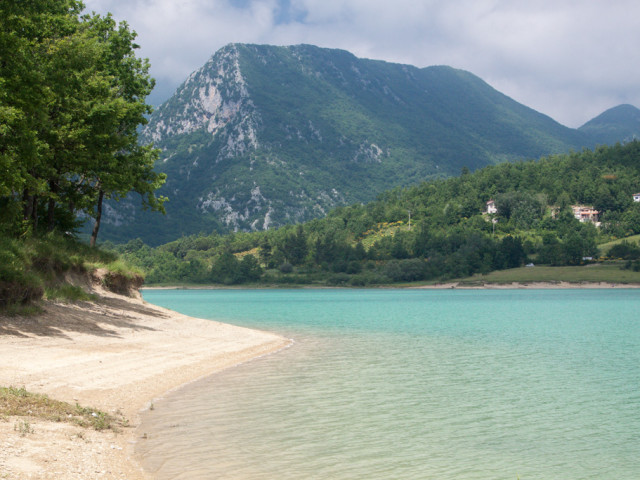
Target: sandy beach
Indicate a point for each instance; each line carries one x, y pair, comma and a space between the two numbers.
117, 355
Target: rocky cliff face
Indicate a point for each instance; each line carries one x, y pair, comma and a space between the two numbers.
211, 99
261, 136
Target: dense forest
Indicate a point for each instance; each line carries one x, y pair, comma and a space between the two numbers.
434, 231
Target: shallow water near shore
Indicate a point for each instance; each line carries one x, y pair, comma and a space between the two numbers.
410, 384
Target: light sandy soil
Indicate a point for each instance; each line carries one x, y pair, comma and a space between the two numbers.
116, 355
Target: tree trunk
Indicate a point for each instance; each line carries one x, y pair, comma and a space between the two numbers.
35, 213
50, 215
96, 226
51, 207
27, 202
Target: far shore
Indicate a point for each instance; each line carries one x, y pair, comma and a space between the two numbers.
529, 285
466, 285
117, 355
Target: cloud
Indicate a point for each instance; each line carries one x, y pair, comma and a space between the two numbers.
566, 58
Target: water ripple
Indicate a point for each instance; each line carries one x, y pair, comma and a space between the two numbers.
418, 386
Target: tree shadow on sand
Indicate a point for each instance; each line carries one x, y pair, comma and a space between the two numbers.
106, 317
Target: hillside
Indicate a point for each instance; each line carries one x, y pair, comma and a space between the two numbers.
618, 124
435, 231
263, 136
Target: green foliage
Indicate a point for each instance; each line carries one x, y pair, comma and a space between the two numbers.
317, 128
71, 100
521, 208
625, 251
18, 285
449, 237
67, 293
35, 267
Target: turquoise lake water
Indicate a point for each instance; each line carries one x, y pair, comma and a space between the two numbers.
410, 384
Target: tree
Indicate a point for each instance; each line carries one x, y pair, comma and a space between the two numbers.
28, 32
521, 208
295, 246
226, 269
512, 252
551, 252
250, 269
625, 250
123, 166
72, 95
574, 249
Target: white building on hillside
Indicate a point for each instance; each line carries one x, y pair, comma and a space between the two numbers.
586, 214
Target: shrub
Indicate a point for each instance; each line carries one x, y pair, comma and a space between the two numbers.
338, 279
286, 267
68, 293
624, 250
18, 285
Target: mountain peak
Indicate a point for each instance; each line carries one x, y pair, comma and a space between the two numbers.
211, 98
263, 135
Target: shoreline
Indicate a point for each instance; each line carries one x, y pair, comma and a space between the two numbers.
530, 286
117, 355
533, 285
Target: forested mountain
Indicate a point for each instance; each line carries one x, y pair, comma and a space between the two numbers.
262, 136
618, 124
438, 229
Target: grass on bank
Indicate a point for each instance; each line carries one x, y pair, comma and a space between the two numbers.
604, 247
36, 267
610, 272
18, 402
68, 293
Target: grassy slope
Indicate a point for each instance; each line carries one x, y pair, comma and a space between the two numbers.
38, 268
594, 273
604, 247
34, 269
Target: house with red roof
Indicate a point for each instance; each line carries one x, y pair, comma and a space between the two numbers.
586, 214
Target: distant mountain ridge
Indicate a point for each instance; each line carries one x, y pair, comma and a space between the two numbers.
261, 136
618, 124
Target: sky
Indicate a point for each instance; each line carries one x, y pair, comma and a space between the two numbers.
568, 59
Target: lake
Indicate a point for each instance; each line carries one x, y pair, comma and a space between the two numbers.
410, 384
